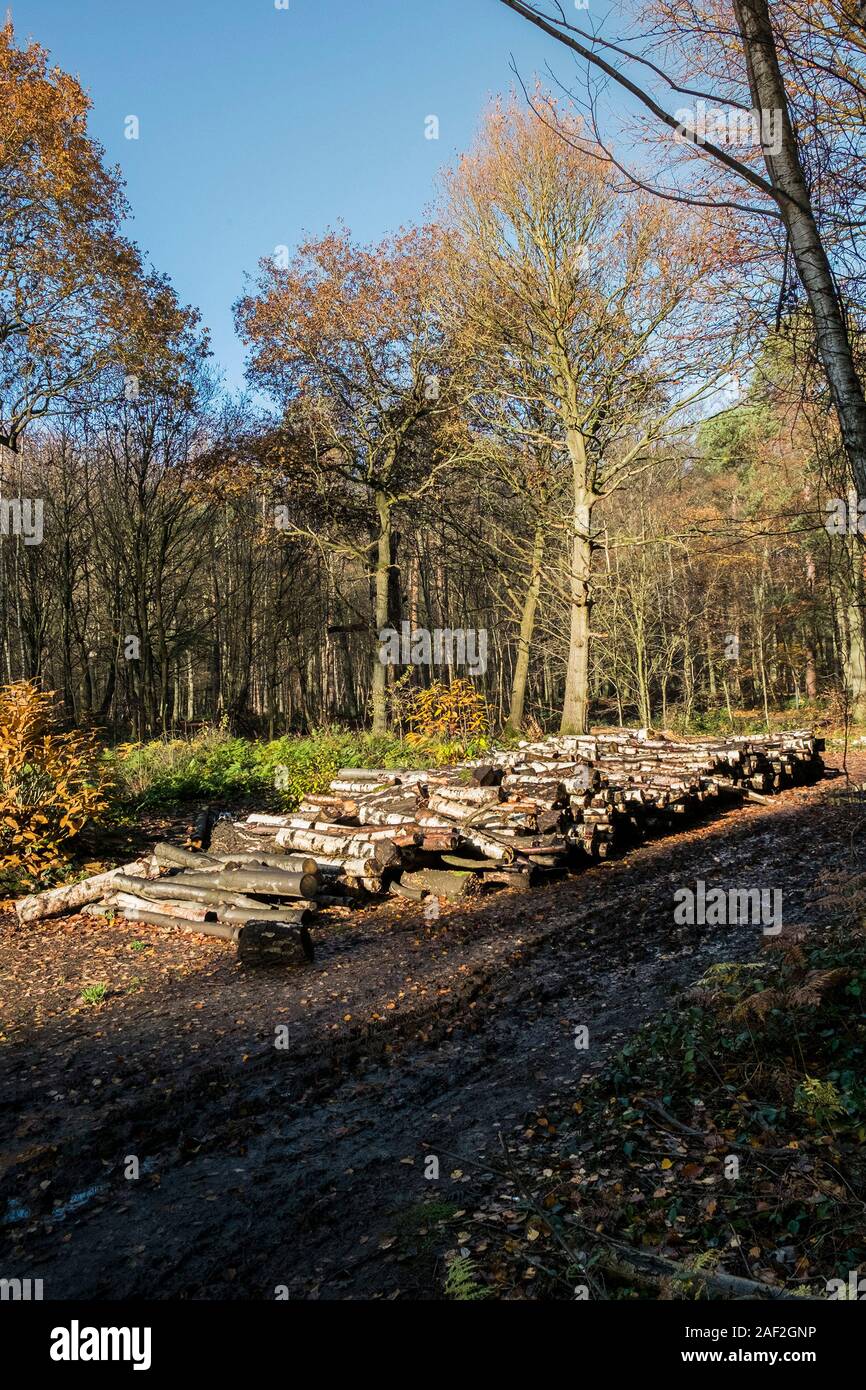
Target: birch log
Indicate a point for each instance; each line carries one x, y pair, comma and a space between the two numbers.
57, 901
190, 912
162, 919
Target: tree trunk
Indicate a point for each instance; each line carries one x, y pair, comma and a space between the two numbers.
792, 196
382, 589
575, 707
855, 666
767, 88
812, 637
527, 626
811, 674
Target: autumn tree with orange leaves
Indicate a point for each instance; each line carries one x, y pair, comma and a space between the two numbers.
75, 299
349, 341
579, 311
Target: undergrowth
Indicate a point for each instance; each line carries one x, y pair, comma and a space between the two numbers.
729, 1134
216, 765
51, 787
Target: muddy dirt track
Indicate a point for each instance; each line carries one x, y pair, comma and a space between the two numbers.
299, 1166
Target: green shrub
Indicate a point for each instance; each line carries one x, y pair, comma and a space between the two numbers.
214, 765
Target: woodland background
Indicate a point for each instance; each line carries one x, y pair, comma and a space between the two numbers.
588, 420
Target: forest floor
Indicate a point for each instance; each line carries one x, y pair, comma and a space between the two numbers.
305, 1168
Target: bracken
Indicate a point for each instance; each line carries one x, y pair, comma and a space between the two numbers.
51, 785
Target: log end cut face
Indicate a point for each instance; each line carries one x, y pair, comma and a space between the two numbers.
272, 943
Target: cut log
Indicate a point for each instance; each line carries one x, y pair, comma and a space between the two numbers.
331, 808
366, 883
545, 804
520, 879
289, 863
487, 845
270, 882
258, 942
292, 916
352, 868
444, 804
172, 855
162, 919
180, 890
367, 774
458, 861
438, 841
433, 819
209, 879
453, 884
352, 786
334, 845
472, 796
505, 820
187, 911
269, 943
388, 810
343, 833
55, 902
414, 892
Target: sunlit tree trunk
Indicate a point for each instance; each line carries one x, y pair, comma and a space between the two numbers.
382, 606
575, 705
855, 648
527, 626
832, 339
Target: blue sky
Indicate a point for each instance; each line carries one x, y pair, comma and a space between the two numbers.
258, 124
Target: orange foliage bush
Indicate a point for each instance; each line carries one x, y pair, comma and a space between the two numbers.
51, 785
457, 710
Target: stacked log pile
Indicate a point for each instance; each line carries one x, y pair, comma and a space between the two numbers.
523, 813
541, 806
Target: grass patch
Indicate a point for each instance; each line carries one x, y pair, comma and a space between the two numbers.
94, 994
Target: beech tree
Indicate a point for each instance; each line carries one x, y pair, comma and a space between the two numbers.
349, 341
576, 303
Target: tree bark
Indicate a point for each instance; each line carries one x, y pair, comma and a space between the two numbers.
575, 707
527, 626
856, 648
382, 591
767, 88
